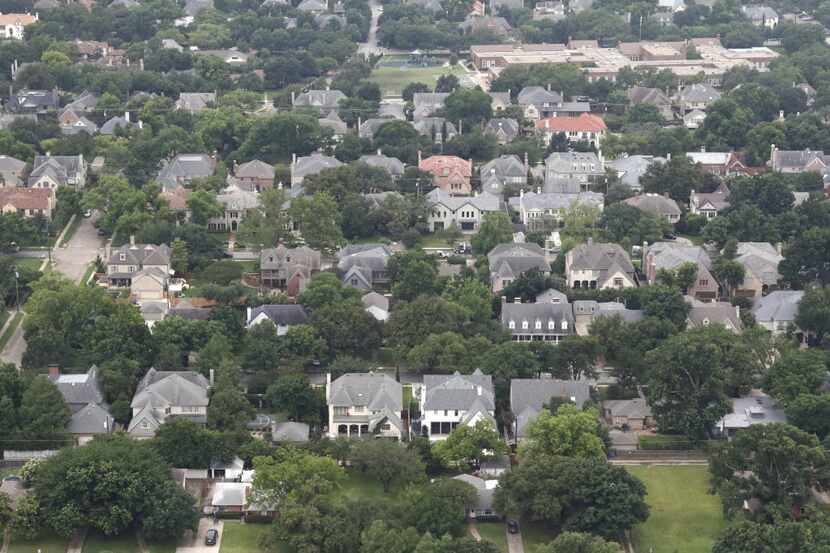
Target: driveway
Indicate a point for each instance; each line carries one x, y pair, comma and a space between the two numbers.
514, 543
197, 545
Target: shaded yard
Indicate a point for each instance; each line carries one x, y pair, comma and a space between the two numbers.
494, 532
98, 543
535, 534
239, 537
684, 516
46, 543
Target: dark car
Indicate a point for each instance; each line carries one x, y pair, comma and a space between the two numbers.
513, 526
211, 536
669, 236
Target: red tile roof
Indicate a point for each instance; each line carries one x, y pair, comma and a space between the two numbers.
586, 122
444, 165
26, 198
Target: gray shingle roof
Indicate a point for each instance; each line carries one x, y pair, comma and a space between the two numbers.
760, 259
185, 167
393, 165
325, 99
573, 162
458, 392
91, 419
606, 258
281, 315
140, 255
484, 201
172, 386
538, 96
703, 314
484, 495
79, 389
632, 408
113, 123
504, 166
560, 314
9, 164
698, 93
780, 305
506, 126
255, 169
195, 101
632, 168
313, 164
529, 395
654, 204
375, 391
670, 255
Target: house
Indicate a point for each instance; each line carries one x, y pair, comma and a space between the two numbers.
130, 259
494, 25
672, 6
500, 101
81, 125
798, 161
696, 96
761, 16
365, 404
601, 266
631, 414
118, 122
302, 167
438, 129
427, 103
451, 400
756, 408
282, 316
11, 171
537, 102
182, 169
55, 171
721, 164
363, 266
377, 305
392, 165
288, 269
176, 199
194, 102
392, 109
85, 102
694, 119
334, 123
482, 507
630, 169
33, 101
541, 210
450, 173
777, 310
669, 256
289, 432
641, 95
587, 311
703, 314
581, 167
170, 44
368, 128
82, 393
709, 204
231, 56
661, 206
584, 128
760, 261
506, 171
321, 100
528, 396
236, 203
254, 175
509, 261
194, 7
537, 322
505, 129
313, 6
464, 212
12, 24
28, 202
161, 395
552, 10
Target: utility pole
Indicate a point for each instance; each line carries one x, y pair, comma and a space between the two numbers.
17, 287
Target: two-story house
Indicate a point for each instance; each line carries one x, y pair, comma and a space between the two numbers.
391, 165
12, 25
661, 207
509, 261
506, 171
528, 396
305, 166
721, 164
182, 169
162, 395
696, 96
363, 266
90, 415
236, 203
28, 202
582, 167
11, 171
543, 321
365, 404
599, 266
760, 261
127, 261
537, 102
282, 316
669, 256
322, 100
505, 129
437, 129
709, 204
56, 171
254, 175
641, 95
544, 211
33, 101
777, 310
585, 128
427, 103
703, 314
465, 212
288, 269
451, 400
450, 173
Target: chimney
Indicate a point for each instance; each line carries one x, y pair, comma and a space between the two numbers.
419, 158
521, 192
503, 300
548, 87
212, 377
668, 156
292, 97
379, 153
293, 159
328, 387
478, 390
127, 116
590, 240
132, 240
703, 149
140, 124
738, 312
248, 315
359, 122
54, 371
665, 194
538, 189
779, 247
781, 115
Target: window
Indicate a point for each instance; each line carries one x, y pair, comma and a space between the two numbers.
551, 325
564, 325
538, 325
524, 325
341, 411
446, 413
618, 282
122, 257
511, 324
703, 282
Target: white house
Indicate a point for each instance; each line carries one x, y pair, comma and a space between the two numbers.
465, 212
450, 400
13, 24
164, 394
599, 266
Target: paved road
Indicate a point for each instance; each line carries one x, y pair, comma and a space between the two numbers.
197, 544
371, 45
515, 543
71, 260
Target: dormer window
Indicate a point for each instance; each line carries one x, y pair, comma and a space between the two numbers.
511, 324
524, 325
564, 325
122, 257
551, 325
538, 325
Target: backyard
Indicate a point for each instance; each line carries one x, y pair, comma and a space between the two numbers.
45, 543
392, 74
684, 518
239, 537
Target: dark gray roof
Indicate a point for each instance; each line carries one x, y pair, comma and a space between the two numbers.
79, 389
780, 305
9, 164
529, 395
140, 255
654, 204
187, 167
313, 164
391, 164
606, 258
506, 126
281, 315
720, 312
538, 96
458, 392
560, 314
375, 391
195, 101
162, 389
504, 166
698, 92
645, 95
255, 169
91, 419
616, 309
574, 163
33, 100
633, 408
631, 168
511, 260
113, 123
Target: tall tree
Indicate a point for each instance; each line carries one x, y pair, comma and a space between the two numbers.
494, 230
569, 433
468, 445
794, 373
269, 224
319, 220
388, 462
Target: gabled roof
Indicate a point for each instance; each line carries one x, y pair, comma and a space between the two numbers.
512, 260
137, 423
186, 166
9, 164
365, 389
760, 259
698, 93
574, 162
631, 168
529, 395
555, 201
654, 204
719, 312
70, 165
645, 95
442, 166
313, 164
234, 197
195, 101
255, 169
26, 198
334, 122
670, 255
606, 258
504, 166
560, 314
141, 255
459, 392
319, 98
538, 96
586, 122
173, 390
280, 315
483, 202
91, 419
113, 123
506, 126
393, 165
778, 306
717, 200
78, 390
428, 126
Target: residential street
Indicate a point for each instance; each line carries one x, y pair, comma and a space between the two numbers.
71, 260
371, 45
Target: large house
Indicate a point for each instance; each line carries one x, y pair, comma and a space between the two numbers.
427, 103
11, 171
182, 169
391, 165
464, 212
365, 404
585, 128
538, 322
777, 310
509, 261
528, 396
282, 316
288, 269
670, 256
505, 129
709, 204
162, 395
33, 101
696, 96
132, 260
798, 161
630, 169
541, 210
82, 393
28, 202
56, 171
322, 100
236, 202
13, 24
756, 408
581, 167
254, 175
450, 400
662, 207
760, 261
450, 173
721, 164
302, 167
194, 102
363, 266
437, 129
703, 314
641, 95
599, 266
506, 171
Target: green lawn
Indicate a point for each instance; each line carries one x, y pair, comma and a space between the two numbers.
392, 80
8, 471
6, 336
47, 543
535, 534
161, 547
684, 518
494, 532
360, 486
238, 537
434, 241
98, 543
32, 263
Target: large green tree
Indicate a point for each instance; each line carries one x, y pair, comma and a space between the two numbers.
569, 433
494, 230
469, 445
388, 462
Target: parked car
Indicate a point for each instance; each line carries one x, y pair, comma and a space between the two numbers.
211, 536
513, 526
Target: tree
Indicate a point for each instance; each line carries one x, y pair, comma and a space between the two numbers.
473, 295
347, 328
295, 476
783, 537
665, 303
229, 408
468, 445
203, 206
412, 273
576, 357
413, 321
446, 83
440, 506
27, 521
574, 494
776, 463
327, 289
678, 177
575, 542
446, 352
814, 313
380, 538
178, 256
811, 413
410, 89
186, 444
729, 273
292, 394
387, 461
470, 106
569, 433
494, 230
44, 414
807, 259
109, 485
794, 373
319, 220
267, 225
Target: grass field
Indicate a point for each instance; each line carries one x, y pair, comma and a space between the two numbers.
392, 80
684, 517
32, 263
47, 543
238, 537
494, 532
98, 543
535, 534
6, 336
